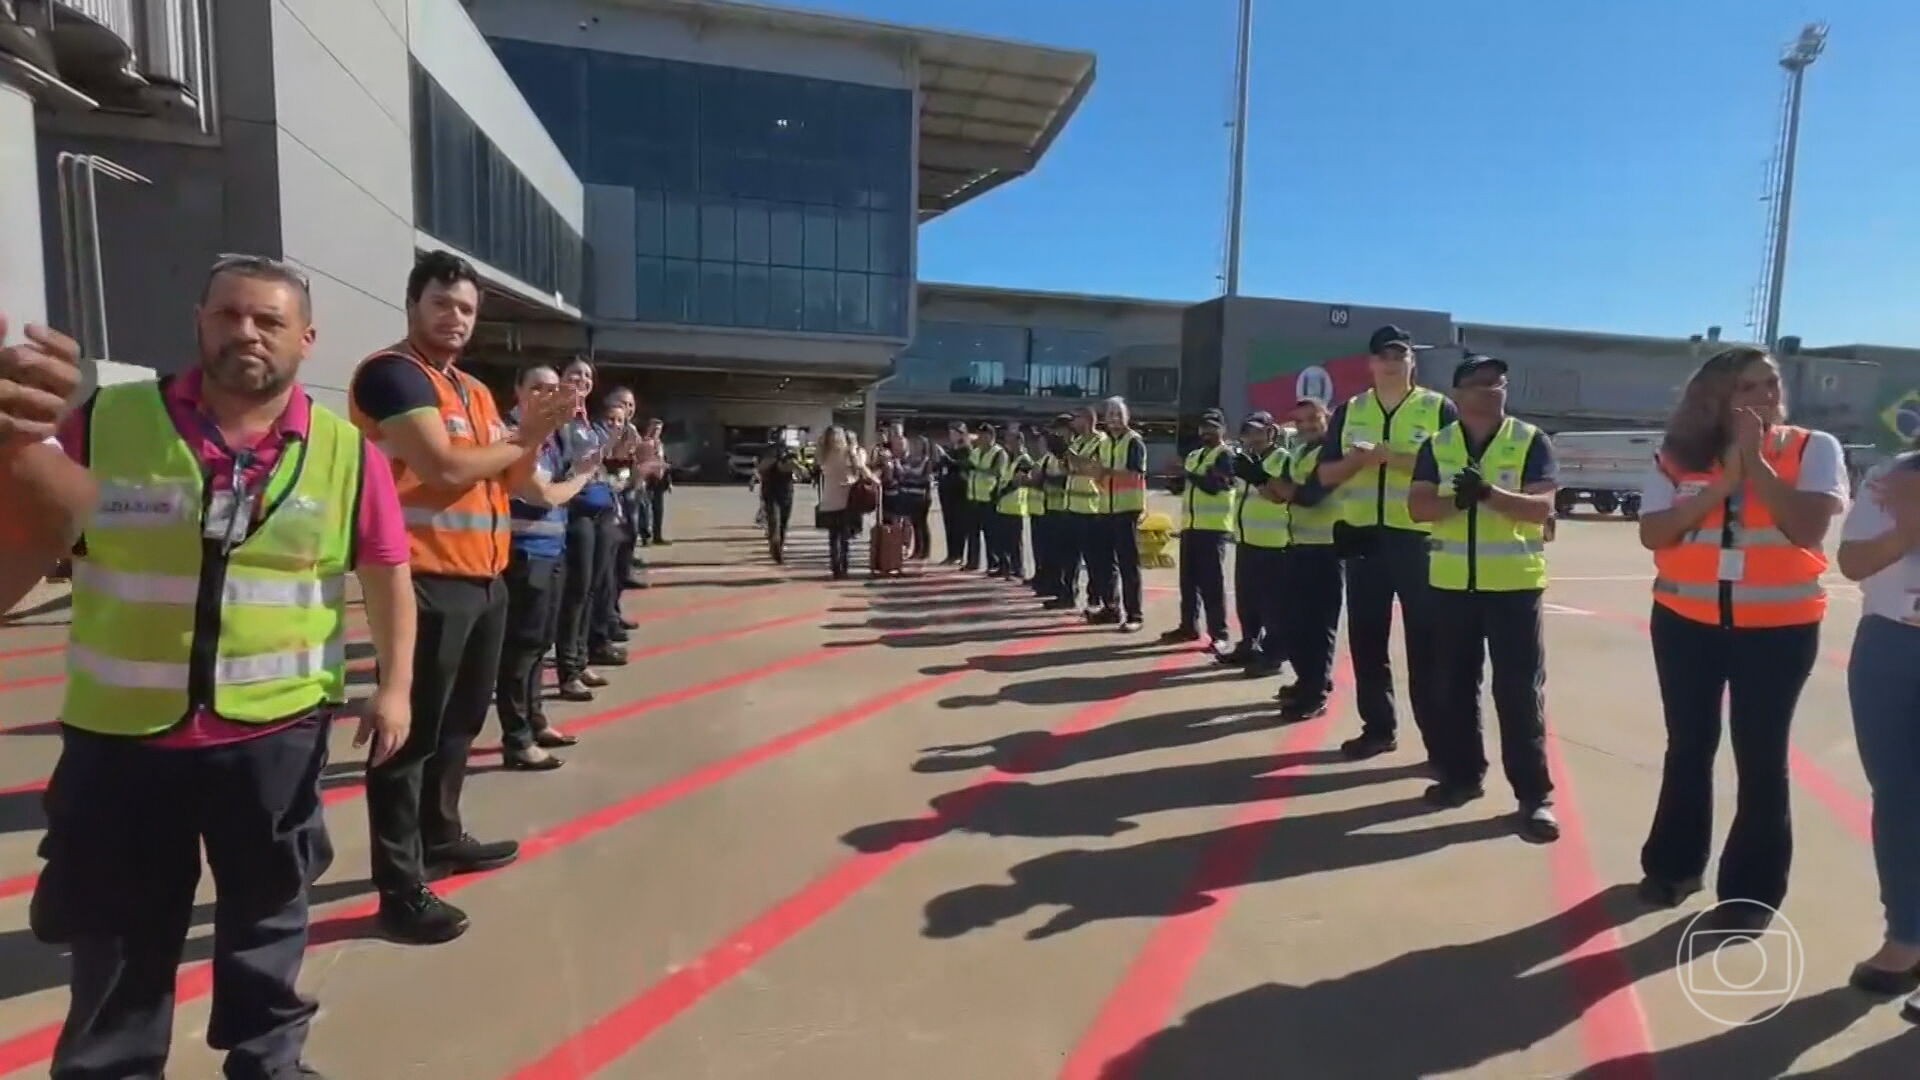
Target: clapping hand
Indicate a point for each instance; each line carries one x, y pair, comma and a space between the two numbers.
38, 380
1469, 487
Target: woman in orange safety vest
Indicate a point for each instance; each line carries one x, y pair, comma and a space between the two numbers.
1735, 514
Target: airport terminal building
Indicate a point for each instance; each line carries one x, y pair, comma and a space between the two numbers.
719, 202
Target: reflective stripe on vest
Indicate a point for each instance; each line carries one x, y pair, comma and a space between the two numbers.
1481, 549
140, 660
1379, 496
985, 477
464, 533
1127, 491
1203, 511
1261, 522
538, 527
1087, 494
1311, 526
1779, 581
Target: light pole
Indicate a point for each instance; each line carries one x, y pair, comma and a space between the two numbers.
1236, 179
1800, 56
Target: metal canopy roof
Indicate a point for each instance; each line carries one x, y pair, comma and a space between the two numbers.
989, 108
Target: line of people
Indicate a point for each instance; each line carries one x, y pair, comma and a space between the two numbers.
212, 519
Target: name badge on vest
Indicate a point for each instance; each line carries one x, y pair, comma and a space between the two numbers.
228, 518
1508, 479
1733, 564
1690, 488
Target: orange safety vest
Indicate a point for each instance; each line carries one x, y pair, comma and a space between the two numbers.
465, 533
1770, 582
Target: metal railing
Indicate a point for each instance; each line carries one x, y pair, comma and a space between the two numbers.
77, 176
168, 44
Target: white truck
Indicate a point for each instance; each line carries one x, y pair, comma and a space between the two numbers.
1608, 469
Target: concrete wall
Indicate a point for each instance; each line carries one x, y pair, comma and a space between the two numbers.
207, 197
583, 24
345, 173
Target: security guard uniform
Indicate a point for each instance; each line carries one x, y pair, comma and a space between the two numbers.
1119, 556
1489, 576
1315, 578
1207, 501
1051, 538
1259, 574
984, 462
1082, 540
1009, 517
1389, 555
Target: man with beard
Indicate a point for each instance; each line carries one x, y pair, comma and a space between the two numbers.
454, 464
206, 661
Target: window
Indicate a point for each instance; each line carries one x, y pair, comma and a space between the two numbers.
467, 194
962, 358
807, 181
1157, 385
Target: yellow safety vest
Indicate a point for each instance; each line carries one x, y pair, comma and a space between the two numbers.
1262, 523
1311, 526
1481, 549
1380, 498
1127, 492
140, 660
985, 477
1205, 512
1087, 494
1053, 482
1014, 502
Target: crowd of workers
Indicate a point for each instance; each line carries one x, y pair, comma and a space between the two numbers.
213, 518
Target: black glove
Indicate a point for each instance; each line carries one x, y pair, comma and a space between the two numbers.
1469, 487
1248, 468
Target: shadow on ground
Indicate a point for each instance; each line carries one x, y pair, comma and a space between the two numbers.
1176, 875
1462, 1006
1044, 751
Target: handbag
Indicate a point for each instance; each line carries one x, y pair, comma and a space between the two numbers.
863, 497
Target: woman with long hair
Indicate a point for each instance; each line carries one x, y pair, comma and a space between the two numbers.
842, 464
1736, 514
907, 486
1880, 549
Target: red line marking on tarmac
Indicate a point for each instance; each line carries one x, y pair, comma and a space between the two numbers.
195, 980
1613, 1022
606, 1039
32, 650
1149, 993
352, 788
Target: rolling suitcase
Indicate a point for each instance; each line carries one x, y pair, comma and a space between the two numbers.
888, 553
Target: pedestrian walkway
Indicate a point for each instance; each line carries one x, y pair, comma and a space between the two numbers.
920, 828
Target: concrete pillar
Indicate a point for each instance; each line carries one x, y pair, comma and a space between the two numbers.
23, 275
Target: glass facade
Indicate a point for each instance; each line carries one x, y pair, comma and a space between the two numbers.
982, 358
469, 195
761, 200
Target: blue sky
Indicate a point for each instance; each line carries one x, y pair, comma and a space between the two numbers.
1537, 162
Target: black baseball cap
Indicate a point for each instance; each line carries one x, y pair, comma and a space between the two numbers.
957, 425
1476, 363
1390, 335
1213, 417
1260, 419
1064, 419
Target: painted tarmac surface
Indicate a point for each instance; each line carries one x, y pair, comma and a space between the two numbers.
921, 828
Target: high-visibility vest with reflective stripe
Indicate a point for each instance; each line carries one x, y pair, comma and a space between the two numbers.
1379, 496
1014, 502
1126, 491
1088, 494
1261, 522
139, 660
1053, 482
463, 533
1205, 512
1311, 526
984, 480
1779, 583
1480, 549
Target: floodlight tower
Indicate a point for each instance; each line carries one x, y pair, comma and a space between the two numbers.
1799, 57
1237, 170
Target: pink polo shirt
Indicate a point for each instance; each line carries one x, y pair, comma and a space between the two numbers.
380, 538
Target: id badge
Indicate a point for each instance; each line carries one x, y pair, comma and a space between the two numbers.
228, 517
1733, 564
